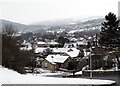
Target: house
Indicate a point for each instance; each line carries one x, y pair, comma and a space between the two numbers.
60, 50
82, 42
47, 44
86, 52
39, 50
69, 45
42, 44
26, 46
54, 62
73, 52
73, 39
53, 44
80, 39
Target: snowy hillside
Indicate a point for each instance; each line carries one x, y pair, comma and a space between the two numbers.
66, 21
69, 25
8, 76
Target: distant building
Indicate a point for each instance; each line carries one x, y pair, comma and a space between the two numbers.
47, 44
53, 44
39, 50
26, 46
42, 44
72, 52
76, 44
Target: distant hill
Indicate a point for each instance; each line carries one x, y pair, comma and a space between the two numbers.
68, 25
66, 21
87, 25
21, 27
17, 25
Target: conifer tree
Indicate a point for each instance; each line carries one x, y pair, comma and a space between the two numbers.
110, 31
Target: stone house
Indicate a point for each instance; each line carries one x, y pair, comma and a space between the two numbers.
54, 62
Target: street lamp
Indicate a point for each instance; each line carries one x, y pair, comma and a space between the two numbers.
36, 60
90, 50
33, 65
90, 63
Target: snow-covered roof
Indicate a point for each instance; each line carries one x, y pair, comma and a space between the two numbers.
38, 50
73, 53
62, 50
40, 42
56, 58
80, 43
86, 53
53, 42
73, 39
24, 42
24, 48
70, 45
28, 46
90, 37
81, 38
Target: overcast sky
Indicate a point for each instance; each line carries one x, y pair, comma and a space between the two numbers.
29, 11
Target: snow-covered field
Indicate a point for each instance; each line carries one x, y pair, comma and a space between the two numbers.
8, 76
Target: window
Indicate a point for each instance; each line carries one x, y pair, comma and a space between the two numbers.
45, 64
51, 66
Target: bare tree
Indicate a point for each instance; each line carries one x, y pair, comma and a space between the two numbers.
9, 30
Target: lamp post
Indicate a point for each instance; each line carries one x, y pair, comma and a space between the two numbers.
33, 65
36, 67
90, 64
37, 59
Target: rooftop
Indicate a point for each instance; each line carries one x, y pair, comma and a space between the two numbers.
56, 58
